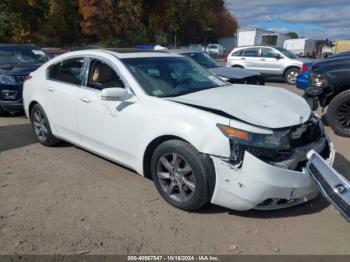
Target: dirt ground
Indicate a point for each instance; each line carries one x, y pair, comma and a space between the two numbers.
64, 200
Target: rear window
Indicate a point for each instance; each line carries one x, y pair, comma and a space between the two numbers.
15, 55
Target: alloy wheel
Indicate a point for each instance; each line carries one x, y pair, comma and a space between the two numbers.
342, 115
292, 76
40, 125
176, 177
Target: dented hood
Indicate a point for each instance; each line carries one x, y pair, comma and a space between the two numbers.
263, 106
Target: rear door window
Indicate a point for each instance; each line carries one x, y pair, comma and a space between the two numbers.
68, 71
251, 52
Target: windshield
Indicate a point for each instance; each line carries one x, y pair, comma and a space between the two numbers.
22, 55
171, 76
287, 53
202, 59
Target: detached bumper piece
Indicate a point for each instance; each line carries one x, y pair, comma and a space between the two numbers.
334, 187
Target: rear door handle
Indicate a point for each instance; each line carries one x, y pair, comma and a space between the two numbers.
242, 58
262, 59
50, 89
85, 99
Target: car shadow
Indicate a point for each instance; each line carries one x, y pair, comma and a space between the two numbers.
16, 136
341, 164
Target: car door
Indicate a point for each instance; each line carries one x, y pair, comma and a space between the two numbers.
270, 62
250, 58
63, 82
106, 127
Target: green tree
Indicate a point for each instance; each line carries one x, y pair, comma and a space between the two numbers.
293, 35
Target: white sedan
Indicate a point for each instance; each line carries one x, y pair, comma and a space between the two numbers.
199, 138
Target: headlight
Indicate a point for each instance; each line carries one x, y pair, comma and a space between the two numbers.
4, 79
318, 80
278, 139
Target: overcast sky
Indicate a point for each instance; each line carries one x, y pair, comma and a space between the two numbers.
316, 19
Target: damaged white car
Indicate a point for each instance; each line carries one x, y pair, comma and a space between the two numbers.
166, 117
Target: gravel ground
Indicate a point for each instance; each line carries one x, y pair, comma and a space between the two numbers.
64, 200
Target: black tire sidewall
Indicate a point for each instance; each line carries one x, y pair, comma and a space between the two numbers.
193, 157
331, 113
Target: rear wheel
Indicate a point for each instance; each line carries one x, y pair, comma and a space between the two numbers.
180, 174
290, 76
41, 126
338, 114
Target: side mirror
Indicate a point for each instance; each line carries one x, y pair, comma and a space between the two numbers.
278, 57
114, 94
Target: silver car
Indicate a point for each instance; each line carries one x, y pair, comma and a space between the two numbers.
269, 61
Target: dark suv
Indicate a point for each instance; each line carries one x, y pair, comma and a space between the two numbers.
16, 63
330, 86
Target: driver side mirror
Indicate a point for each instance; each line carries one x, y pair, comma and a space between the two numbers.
114, 94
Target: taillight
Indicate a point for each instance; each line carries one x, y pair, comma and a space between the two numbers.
225, 58
28, 77
304, 68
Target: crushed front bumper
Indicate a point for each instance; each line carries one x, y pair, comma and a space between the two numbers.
259, 185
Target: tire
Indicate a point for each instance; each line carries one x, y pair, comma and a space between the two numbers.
187, 183
41, 126
338, 114
290, 76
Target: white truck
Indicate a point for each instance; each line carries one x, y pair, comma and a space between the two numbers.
304, 47
256, 36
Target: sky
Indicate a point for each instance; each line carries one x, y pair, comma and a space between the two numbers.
317, 19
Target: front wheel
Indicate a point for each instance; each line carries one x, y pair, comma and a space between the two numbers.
180, 174
290, 76
338, 114
41, 126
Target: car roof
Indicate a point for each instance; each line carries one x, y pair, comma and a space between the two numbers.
185, 50
126, 52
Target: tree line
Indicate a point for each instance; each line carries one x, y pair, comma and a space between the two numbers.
114, 22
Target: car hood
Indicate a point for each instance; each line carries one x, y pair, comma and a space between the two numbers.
231, 72
11, 69
262, 106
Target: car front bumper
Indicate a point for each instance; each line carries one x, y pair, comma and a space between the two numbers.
259, 185
12, 106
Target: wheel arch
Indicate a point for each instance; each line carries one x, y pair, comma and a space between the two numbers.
290, 67
146, 163
338, 91
30, 107
159, 140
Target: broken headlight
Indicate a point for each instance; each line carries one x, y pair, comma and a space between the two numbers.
278, 139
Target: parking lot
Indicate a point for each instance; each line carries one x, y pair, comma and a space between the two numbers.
64, 200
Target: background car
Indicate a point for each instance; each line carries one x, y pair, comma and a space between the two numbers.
215, 50
269, 61
52, 52
231, 75
330, 86
303, 79
16, 62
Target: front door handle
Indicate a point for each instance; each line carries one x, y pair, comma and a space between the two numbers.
85, 99
242, 58
50, 89
262, 59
